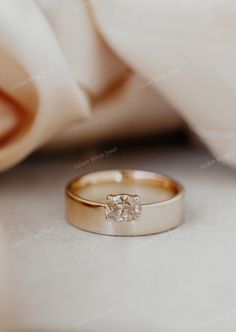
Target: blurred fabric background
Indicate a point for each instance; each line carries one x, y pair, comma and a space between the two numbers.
75, 71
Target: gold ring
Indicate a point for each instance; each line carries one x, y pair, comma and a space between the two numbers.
125, 202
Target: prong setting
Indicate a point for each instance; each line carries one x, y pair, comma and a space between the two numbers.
123, 208
109, 197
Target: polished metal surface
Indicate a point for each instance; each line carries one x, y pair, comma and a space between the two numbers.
162, 201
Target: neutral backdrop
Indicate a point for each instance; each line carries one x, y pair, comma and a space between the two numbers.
70, 280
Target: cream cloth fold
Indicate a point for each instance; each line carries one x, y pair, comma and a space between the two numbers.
80, 71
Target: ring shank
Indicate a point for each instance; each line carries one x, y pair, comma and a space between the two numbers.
158, 214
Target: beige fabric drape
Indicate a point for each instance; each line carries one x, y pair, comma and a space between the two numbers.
77, 71
59, 75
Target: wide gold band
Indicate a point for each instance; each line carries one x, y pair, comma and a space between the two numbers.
161, 202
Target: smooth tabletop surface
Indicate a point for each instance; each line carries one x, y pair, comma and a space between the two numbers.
71, 280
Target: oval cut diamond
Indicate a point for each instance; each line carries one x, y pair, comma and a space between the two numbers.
123, 207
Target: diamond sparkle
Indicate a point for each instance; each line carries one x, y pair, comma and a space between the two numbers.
123, 208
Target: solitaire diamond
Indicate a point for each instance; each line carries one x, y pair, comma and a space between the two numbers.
123, 208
